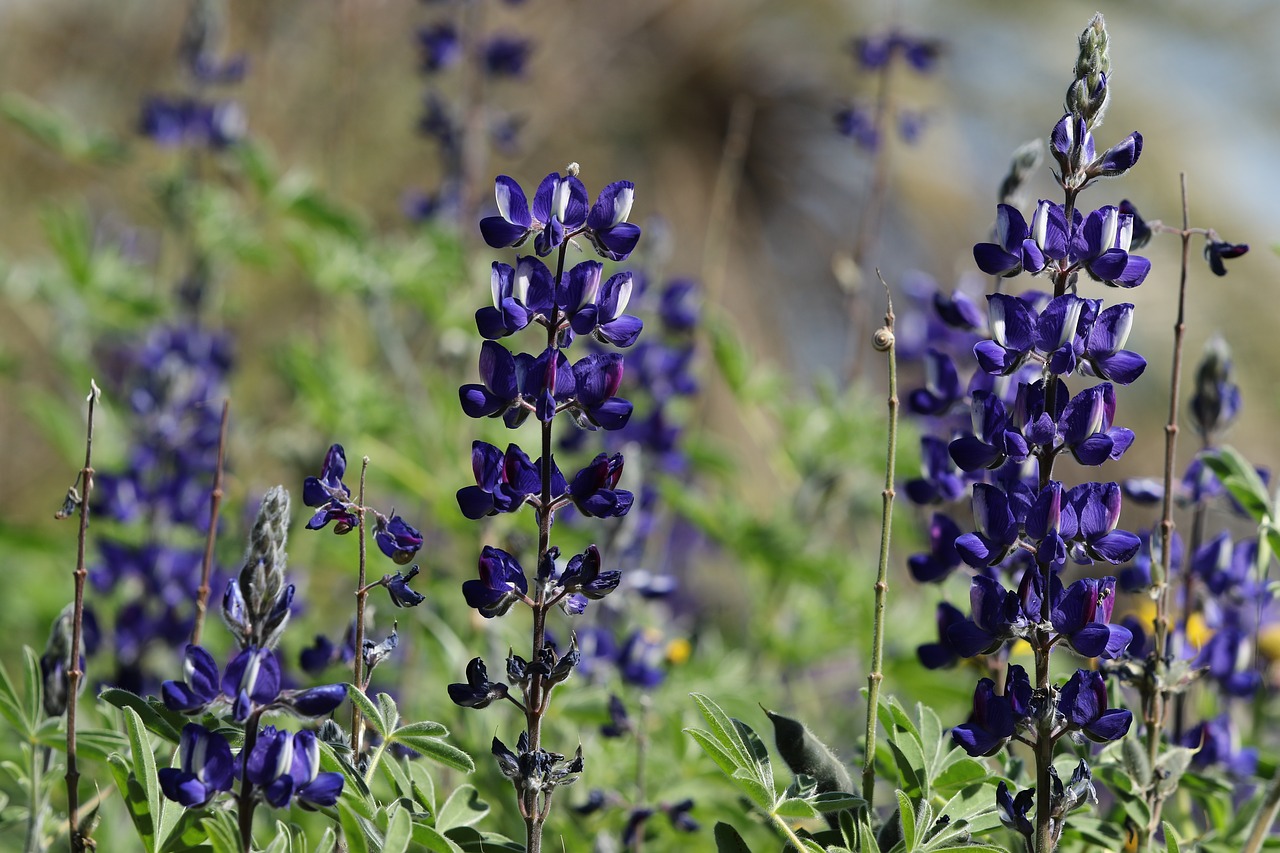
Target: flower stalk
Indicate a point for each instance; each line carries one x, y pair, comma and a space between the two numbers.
362, 595
884, 342
215, 505
78, 842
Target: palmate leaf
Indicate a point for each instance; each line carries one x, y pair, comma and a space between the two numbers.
155, 716
370, 711
399, 830
463, 808
1240, 479
12, 708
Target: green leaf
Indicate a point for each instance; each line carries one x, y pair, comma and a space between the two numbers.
795, 808
463, 808
399, 831
355, 793
712, 747
224, 835
1170, 838
960, 774
1241, 479
154, 715
96, 744
834, 801
757, 750
907, 820
353, 829
390, 713
12, 707
135, 799
35, 685
368, 709
758, 793
724, 731
437, 750
397, 777
728, 840
425, 728
424, 787
466, 838
144, 763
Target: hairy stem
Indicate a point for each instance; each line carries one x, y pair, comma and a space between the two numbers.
215, 504
884, 341
35, 802
74, 672
246, 802
1265, 819
362, 595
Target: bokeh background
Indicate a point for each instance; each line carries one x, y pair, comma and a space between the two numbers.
721, 112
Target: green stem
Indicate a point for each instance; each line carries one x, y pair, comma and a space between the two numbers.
35, 803
1266, 817
361, 595
884, 342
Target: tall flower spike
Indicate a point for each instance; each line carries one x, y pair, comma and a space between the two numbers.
257, 608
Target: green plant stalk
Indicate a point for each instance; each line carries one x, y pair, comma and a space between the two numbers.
246, 802
35, 803
1266, 817
215, 504
74, 673
884, 342
362, 594
535, 700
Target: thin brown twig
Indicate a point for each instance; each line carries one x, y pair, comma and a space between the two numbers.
74, 673
215, 504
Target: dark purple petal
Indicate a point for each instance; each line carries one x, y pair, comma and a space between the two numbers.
1111, 725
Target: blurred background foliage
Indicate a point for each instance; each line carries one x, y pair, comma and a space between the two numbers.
351, 323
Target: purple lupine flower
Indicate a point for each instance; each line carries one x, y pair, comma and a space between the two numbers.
1217, 251
1043, 521
1013, 325
1104, 354
619, 721
503, 376
1216, 401
1101, 245
1091, 512
479, 691
596, 378
994, 439
502, 583
678, 306
604, 319
941, 654
1086, 427
642, 658
505, 56
440, 46
582, 576
1049, 229
959, 311
941, 482
330, 496
858, 123
206, 768
520, 295
396, 538
1082, 615
1217, 743
1228, 656
995, 717
1072, 145
560, 204
941, 389
398, 586
997, 531
201, 686
942, 558
252, 679
1141, 231
1014, 249
607, 226
504, 481
595, 491
1083, 701
1057, 333
579, 291
1014, 811
314, 701
186, 121
994, 614
513, 224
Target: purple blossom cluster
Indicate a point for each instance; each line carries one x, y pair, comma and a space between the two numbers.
876, 55
444, 45
568, 305
997, 440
